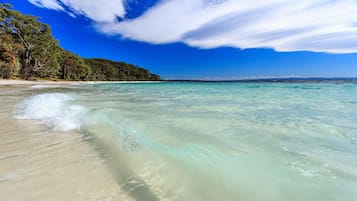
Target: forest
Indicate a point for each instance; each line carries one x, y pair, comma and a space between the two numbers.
29, 51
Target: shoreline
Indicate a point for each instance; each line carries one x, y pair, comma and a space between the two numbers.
48, 82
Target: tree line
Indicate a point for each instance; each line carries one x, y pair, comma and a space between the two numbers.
28, 50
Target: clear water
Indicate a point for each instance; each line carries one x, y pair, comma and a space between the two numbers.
214, 141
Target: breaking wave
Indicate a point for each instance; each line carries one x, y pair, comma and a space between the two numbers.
53, 109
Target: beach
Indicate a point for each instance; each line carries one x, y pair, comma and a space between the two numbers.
39, 164
178, 100
204, 141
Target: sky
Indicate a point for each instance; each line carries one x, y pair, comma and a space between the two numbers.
209, 39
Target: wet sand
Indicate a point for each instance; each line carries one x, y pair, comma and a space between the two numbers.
38, 164
27, 82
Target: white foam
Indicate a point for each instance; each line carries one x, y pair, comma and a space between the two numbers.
53, 109
43, 86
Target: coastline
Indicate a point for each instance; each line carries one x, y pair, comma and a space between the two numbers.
47, 82
337, 80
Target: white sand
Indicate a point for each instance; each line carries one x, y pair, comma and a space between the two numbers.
26, 82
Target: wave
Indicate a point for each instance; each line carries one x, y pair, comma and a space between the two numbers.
58, 113
53, 109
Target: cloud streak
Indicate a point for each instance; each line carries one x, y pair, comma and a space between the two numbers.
49, 4
305, 25
95, 10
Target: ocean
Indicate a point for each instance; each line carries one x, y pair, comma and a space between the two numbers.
210, 141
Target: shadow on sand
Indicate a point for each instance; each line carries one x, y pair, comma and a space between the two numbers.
127, 179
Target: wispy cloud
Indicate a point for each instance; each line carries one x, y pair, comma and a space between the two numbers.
310, 25
98, 11
49, 4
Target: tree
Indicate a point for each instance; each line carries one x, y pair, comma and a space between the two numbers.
103, 69
40, 49
9, 64
73, 67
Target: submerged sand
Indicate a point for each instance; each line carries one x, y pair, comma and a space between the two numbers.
38, 164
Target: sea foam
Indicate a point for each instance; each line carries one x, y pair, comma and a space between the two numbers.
53, 109
43, 86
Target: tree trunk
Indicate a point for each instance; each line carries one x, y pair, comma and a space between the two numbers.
27, 74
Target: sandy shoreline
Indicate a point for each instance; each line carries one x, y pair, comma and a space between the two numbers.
27, 82
45, 82
39, 164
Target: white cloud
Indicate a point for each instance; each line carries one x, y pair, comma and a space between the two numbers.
99, 11
50, 4
96, 10
284, 25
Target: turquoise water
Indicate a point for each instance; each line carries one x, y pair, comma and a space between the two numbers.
214, 141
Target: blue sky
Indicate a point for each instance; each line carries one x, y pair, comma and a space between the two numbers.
206, 39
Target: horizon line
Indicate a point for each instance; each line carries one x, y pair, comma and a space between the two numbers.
269, 79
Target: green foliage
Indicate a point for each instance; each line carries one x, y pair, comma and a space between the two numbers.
39, 49
9, 64
73, 67
28, 49
103, 69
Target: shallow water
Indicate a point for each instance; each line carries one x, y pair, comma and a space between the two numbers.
213, 141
